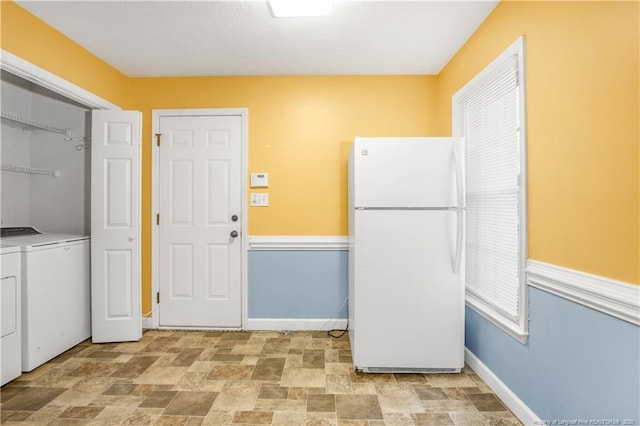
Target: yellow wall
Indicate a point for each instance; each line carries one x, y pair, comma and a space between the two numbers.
300, 132
300, 128
582, 116
582, 89
28, 37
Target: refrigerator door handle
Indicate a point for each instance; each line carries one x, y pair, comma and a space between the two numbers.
459, 242
457, 157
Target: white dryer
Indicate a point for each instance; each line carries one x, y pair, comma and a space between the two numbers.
56, 298
10, 336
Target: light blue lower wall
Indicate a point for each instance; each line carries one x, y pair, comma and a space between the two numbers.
298, 284
578, 364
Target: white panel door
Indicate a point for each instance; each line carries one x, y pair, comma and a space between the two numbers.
199, 248
115, 226
405, 172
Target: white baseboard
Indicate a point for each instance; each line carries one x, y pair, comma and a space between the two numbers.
148, 323
510, 399
294, 324
274, 324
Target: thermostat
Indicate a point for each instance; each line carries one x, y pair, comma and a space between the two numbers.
259, 180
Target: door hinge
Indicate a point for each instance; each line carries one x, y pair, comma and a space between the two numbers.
158, 219
158, 138
158, 297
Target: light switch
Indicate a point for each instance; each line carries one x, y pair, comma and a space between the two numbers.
259, 180
259, 199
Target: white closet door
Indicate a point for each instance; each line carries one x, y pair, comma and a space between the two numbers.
115, 226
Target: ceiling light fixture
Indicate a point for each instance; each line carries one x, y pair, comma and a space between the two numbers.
300, 8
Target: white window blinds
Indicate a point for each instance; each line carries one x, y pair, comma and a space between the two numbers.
488, 113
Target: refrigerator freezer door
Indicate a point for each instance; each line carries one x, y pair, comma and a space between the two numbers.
405, 172
408, 303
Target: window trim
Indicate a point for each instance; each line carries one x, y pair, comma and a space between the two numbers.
518, 330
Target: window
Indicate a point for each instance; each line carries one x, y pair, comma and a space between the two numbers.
489, 113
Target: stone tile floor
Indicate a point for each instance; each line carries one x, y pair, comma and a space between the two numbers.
221, 378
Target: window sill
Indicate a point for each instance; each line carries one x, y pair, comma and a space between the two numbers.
518, 331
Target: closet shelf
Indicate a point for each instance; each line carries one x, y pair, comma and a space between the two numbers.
29, 170
27, 123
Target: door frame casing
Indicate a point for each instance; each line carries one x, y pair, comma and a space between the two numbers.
40, 76
157, 114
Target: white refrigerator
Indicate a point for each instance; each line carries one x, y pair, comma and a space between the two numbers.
406, 254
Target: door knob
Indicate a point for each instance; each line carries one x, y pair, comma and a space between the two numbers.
234, 234
234, 218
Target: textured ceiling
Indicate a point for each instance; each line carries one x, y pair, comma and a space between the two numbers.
206, 38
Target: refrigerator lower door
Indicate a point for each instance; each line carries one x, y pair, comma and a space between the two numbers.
408, 303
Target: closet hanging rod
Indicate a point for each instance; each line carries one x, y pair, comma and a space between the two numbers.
34, 124
29, 170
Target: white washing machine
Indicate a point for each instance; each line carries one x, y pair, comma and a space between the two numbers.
10, 336
56, 292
